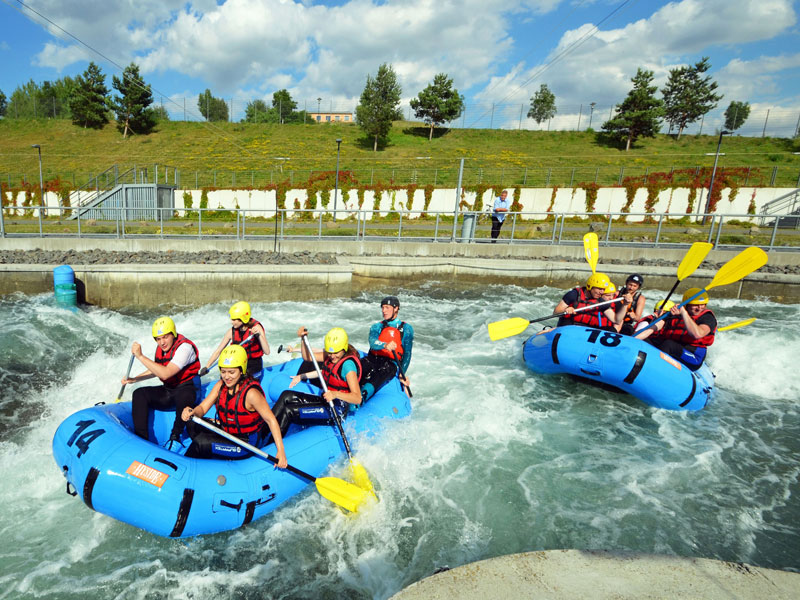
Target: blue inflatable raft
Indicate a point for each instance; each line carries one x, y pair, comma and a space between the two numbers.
622, 362
141, 483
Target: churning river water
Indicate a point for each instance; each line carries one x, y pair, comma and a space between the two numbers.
493, 460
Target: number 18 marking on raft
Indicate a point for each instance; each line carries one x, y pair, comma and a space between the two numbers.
87, 438
608, 338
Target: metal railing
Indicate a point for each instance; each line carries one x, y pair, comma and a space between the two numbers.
637, 229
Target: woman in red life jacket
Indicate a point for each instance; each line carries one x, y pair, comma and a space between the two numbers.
659, 309
177, 365
582, 297
635, 309
247, 333
688, 332
341, 368
242, 410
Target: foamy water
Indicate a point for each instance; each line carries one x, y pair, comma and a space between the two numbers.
493, 460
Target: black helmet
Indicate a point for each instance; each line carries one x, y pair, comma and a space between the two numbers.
391, 301
636, 278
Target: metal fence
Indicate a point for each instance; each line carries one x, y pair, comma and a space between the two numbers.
638, 229
443, 175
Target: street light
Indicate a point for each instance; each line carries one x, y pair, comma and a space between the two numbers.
41, 185
318, 101
336, 185
591, 112
713, 173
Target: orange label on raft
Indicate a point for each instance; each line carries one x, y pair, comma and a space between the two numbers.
148, 474
671, 361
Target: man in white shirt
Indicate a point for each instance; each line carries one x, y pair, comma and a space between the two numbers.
499, 211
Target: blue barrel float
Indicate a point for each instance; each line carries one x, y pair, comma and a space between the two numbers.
64, 283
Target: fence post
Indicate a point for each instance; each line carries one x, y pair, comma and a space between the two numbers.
596, 174
658, 230
525, 177
572, 177
621, 173
764, 132
547, 183
774, 175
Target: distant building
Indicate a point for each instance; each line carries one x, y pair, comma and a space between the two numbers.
330, 117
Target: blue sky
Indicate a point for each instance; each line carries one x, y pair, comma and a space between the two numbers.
497, 52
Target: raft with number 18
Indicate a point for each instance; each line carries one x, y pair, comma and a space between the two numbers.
622, 362
141, 483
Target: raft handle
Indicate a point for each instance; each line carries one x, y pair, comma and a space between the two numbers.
166, 462
595, 372
74, 492
227, 504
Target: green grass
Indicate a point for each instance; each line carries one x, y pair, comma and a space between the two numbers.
242, 155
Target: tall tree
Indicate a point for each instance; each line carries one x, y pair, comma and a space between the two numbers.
639, 115
3, 104
213, 109
132, 106
161, 113
89, 101
257, 111
736, 114
283, 103
438, 103
379, 104
543, 105
688, 95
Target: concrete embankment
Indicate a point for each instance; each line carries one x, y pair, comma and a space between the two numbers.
123, 280
569, 574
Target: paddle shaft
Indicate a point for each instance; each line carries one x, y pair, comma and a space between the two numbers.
577, 310
250, 447
334, 412
668, 313
403, 373
127, 374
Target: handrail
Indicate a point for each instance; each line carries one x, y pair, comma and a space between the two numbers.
773, 206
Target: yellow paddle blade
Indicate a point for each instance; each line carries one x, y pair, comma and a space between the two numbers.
693, 258
507, 327
341, 492
735, 325
740, 266
591, 250
361, 477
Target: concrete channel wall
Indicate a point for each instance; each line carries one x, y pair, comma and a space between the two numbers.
362, 265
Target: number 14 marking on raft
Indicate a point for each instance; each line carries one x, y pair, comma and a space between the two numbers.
82, 442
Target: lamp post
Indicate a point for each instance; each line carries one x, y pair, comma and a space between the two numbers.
336, 185
713, 174
318, 101
591, 112
41, 185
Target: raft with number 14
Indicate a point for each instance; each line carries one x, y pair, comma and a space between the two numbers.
141, 483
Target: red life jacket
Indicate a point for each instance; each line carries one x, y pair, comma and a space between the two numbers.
188, 372
331, 373
590, 317
253, 345
675, 329
390, 334
233, 414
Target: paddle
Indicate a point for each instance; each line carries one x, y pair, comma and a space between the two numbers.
205, 370
591, 250
736, 325
740, 266
359, 472
516, 325
695, 255
402, 373
127, 375
336, 490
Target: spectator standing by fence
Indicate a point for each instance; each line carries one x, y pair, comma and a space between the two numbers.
499, 214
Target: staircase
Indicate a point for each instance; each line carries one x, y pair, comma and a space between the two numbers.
786, 209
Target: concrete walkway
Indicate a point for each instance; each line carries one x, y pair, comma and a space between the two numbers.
599, 575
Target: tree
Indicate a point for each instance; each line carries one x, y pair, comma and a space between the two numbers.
543, 105
736, 114
438, 103
688, 95
213, 109
161, 113
257, 112
283, 103
132, 106
640, 113
379, 104
3, 104
89, 102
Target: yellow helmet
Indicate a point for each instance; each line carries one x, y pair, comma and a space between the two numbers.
241, 311
233, 356
610, 288
164, 325
600, 280
701, 299
336, 340
665, 306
